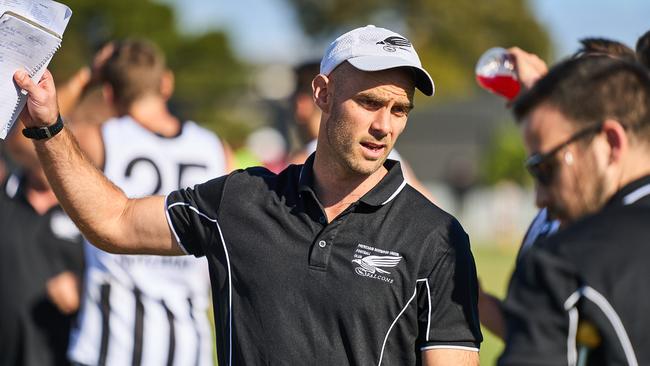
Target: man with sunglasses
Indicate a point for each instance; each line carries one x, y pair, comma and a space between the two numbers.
530, 68
586, 126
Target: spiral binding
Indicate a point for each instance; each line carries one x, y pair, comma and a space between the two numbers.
43, 62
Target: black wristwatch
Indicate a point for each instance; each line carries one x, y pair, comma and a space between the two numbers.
40, 133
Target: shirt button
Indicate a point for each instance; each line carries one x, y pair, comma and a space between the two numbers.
322, 243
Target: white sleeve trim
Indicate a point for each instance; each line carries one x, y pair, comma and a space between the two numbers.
444, 346
171, 226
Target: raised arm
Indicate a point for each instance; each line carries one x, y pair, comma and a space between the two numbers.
100, 209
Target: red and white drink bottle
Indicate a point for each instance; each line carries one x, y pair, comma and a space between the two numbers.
495, 71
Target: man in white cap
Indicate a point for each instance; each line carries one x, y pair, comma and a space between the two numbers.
334, 262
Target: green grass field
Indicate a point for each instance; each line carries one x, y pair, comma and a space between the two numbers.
494, 265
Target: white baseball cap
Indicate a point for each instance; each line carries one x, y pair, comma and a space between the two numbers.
372, 48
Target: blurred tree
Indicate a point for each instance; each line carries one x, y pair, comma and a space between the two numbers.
450, 34
209, 79
504, 157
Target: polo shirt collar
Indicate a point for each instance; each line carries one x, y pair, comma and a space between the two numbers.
385, 191
632, 192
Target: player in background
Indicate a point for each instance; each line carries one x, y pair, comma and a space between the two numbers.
144, 310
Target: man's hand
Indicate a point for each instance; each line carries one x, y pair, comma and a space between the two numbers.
41, 109
529, 67
99, 61
63, 291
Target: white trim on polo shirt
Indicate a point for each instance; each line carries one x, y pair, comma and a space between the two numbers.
443, 346
608, 310
397, 191
426, 282
171, 226
223, 242
381, 354
636, 195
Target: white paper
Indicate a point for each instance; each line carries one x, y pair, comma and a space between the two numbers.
23, 45
48, 13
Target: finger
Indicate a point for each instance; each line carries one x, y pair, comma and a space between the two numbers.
539, 64
23, 80
47, 81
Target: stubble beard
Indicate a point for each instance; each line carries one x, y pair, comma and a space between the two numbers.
590, 194
346, 150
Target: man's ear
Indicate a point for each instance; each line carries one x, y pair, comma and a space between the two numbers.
322, 94
107, 92
617, 140
167, 84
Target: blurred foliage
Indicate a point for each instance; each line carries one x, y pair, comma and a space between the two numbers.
209, 79
449, 35
504, 157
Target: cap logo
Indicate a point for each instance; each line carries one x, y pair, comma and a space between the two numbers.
391, 44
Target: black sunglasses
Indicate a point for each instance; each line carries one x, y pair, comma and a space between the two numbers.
543, 166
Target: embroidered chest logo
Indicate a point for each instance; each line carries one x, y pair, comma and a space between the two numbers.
374, 262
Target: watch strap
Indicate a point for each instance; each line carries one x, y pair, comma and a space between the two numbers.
40, 133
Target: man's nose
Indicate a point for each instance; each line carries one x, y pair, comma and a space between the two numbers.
381, 123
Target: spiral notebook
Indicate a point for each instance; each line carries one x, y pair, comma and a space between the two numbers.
24, 44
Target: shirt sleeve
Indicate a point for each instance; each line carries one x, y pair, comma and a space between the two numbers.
448, 297
193, 214
539, 328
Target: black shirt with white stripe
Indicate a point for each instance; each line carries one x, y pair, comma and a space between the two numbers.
584, 291
389, 277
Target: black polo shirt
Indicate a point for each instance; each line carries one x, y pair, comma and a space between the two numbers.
33, 249
586, 288
390, 276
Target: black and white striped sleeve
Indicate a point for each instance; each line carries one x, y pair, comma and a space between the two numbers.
192, 215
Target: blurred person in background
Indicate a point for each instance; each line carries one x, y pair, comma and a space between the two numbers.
307, 118
268, 147
144, 310
337, 261
530, 68
41, 264
579, 296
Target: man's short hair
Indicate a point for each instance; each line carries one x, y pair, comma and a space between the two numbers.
588, 90
134, 69
304, 74
643, 50
604, 46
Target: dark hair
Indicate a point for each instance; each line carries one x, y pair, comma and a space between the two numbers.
607, 47
591, 89
134, 69
305, 73
643, 50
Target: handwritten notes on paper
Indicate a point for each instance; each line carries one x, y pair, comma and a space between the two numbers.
30, 34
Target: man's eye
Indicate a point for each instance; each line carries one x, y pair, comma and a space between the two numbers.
401, 111
370, 104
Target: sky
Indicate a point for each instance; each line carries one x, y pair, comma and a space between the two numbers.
266, 31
